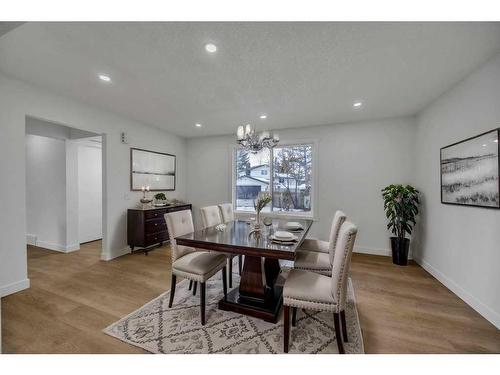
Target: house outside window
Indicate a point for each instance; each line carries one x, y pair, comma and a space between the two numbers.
285, 172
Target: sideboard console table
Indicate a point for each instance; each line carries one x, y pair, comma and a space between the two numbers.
146, 227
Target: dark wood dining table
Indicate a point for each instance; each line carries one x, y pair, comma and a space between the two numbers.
258, 295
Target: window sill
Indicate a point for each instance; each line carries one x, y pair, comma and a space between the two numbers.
285, 215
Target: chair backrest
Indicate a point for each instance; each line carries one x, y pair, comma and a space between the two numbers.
338, 220
342, 262
210, 216
226, 209
179, 223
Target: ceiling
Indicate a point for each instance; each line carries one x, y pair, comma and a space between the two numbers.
299, 74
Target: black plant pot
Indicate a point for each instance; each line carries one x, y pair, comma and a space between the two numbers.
400, 247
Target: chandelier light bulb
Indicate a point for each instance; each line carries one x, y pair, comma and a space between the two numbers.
241, 132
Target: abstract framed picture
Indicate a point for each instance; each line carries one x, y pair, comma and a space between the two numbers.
469, 171
153, 169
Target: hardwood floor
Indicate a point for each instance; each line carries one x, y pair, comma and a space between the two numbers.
74, 296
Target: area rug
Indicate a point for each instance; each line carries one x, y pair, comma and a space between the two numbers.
157, 329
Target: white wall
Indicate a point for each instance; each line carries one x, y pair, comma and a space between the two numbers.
460, 245
18, 100
354, 161
89, 192
46, 191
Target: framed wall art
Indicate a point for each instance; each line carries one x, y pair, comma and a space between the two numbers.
469, 171
153, 169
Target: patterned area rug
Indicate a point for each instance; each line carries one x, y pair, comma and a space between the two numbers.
158, 329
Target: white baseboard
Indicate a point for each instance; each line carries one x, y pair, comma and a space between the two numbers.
377, 251
51, 246
484, 310
372, 251
32, 240
71, 248
115, 253
5, 290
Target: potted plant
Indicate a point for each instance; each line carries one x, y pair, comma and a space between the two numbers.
160, 199
401, 208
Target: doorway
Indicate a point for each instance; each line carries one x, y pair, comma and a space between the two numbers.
63, 188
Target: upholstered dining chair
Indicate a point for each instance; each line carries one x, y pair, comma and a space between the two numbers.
190, 263
226, 210
210, 216
316, 255
313, 291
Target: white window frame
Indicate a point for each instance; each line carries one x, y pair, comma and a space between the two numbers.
284, 214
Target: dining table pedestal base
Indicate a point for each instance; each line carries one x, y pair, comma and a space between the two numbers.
268, 309
257, 295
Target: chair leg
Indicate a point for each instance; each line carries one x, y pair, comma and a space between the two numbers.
230, 272
224, 282
294, 316
286, 326
338, 337
240, 263
194, 287
202, 303
344, 325
172, 290
190, 284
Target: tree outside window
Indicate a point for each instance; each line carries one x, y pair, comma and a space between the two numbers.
290, 181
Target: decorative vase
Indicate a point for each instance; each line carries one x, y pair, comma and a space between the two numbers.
256, 225
400, 247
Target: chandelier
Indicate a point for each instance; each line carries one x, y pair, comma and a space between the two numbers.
249, 140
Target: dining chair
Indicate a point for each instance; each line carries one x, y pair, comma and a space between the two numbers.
195, 265
313, 291
210, 216
226, 210
316, 255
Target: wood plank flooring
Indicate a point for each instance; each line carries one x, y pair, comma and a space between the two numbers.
74, 296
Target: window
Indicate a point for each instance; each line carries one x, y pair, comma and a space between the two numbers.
285, 172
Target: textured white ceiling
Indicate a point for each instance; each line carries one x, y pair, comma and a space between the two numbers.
300, 74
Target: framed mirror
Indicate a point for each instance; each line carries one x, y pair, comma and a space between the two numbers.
153, 169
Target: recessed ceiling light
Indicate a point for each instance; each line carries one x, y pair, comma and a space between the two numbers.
263, 117
197, 125
484, 145
357, 104
496, 141
210, 47
104, 77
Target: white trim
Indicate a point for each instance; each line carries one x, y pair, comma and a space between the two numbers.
377, 251
56, 247
71, 248
281, 214
31, 239
483, 309
372, 251
5, 290
115, 253
51, 246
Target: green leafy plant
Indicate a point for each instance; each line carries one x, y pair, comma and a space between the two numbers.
263, 199
160, 197
401, 208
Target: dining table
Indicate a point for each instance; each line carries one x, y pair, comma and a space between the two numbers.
258, 295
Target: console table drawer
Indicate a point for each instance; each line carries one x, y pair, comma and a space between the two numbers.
156, 237
156, 214
155, 225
